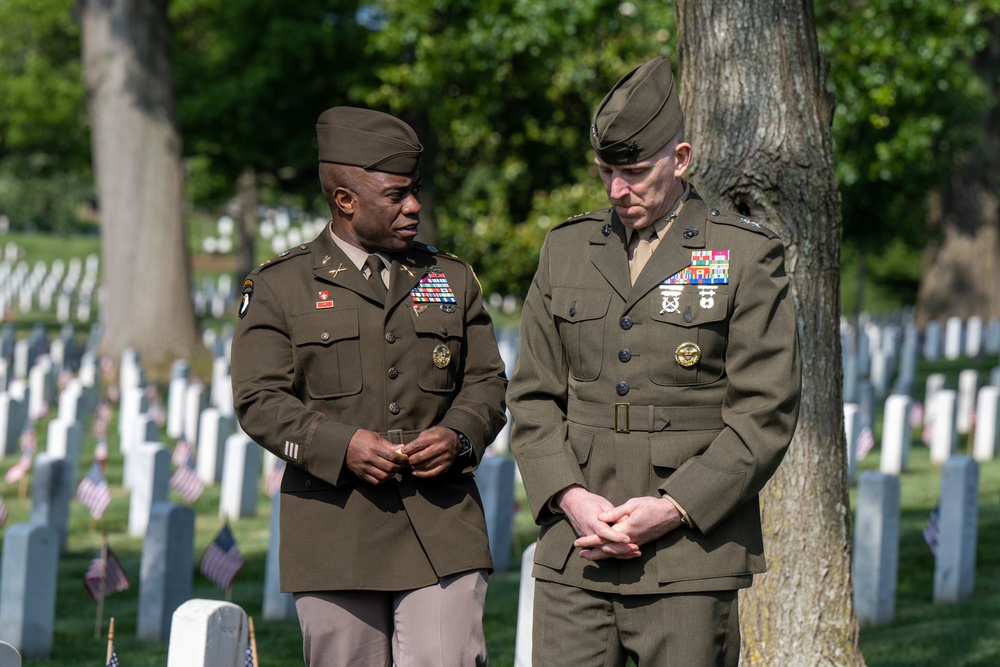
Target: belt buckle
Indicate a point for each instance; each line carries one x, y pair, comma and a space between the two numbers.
620, 409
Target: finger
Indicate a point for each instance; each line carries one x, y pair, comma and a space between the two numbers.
616, 513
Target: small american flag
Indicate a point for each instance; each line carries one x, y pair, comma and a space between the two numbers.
93, 491
101, 451
249, 660
186, 482
932, 531
916, 415
17, 471
155, 411
29, 442
3, 513
105, 577
222, 560
182, 451
273, 482
864, 442
113, 661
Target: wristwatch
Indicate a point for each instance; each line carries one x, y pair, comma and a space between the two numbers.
466, 445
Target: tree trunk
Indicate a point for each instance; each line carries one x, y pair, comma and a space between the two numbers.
753, 86
247, 199
137, 163
962, 263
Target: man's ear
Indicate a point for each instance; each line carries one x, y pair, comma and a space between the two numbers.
682, 153
345, 200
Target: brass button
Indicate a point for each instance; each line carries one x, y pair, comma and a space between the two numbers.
444, 331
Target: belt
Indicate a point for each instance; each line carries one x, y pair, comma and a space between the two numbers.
625, 417
400, 437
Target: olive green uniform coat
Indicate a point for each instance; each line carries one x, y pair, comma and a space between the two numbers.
709, 435
316, 357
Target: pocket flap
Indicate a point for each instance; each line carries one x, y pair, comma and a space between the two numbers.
325, 327
576, 305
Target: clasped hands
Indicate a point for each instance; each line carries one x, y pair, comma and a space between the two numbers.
605, 531
376, 460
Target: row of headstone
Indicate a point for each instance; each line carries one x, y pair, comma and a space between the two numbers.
952, 533
60, 287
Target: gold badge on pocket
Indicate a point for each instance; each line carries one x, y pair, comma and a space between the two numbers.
687, 354
442, 356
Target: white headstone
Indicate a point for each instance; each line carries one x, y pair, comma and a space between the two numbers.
208, 633
973, 336
214, 430
895, 454
194, 402
986, 432
166, 575
52, 489
525, 609
852, 428
943, 435
932, 341
968, 386
28, 588
71, 401
238, 495
277, 605
176, 393
876, 548
151, 484
9, 657
953, 338
495, 480
955, 561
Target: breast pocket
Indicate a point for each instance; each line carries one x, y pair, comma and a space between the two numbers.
691, 328
328, 344
579, 316
439, 349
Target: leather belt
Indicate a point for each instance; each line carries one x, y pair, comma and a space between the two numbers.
625, 417
400, 437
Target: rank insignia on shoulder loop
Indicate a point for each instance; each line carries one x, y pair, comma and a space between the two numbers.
245, 299
687, 354
748, 221
441, 356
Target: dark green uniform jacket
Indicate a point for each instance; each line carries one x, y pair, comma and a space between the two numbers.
316, 357
610, 393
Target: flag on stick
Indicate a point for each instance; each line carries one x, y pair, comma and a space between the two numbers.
182, 452
111, 660
251, 660
20, 468
222, 560
93, 491
3, 513
273, 482
186, 482
864, 442
105, 575
932, 531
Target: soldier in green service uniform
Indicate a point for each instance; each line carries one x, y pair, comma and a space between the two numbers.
367, 362
656, 391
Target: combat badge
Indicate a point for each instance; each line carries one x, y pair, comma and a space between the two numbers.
247, 296
687, 354
671, 298
442, 356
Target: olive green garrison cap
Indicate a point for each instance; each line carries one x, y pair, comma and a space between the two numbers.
640, 114
368, 139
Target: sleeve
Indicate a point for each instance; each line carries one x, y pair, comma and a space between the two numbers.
478, 409
264, 395
537, 398
761, 405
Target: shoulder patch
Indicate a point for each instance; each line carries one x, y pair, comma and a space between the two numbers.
737, 220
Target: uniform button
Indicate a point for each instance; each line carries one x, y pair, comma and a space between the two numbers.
394, 408
444, 331
688, 317
325, 335
393, 373
622, 388
624, 356
309, 483
572, 312
714, 211
303, 246
390, 338
626, 323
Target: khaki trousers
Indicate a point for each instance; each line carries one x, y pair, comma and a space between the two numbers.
573, 627
435, 626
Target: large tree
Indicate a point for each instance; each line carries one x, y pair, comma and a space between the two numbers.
137, 163
754, 90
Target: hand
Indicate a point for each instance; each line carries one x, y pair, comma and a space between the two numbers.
372, 458
584, 509
433, 451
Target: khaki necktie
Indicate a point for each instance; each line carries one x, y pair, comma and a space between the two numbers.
640, 247
375, 265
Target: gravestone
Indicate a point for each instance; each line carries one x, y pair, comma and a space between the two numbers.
955, 561
896, 435
208, 633
968, 385
953, 348
876, 548
987, 410
176, 393
934, 383
144, 429
852, 428
9, 657
167, 569
151, 484
70, 404
943, 435
28, 588
850, 372
932, 341
495, 479
991, 337
194, 402
973, 336
277, 605
525, 609
13, 416
238, 495
222, 386
65, 439
41, 384
134, 403
52, 489
213, 432
908, 360
995, 377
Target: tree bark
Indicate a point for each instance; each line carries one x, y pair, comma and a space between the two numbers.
136, 151
753, 86
962, 263
247, 198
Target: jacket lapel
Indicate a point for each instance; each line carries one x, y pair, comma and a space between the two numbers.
331, 265
609, 257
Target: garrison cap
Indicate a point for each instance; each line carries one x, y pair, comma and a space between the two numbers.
638, 116
368, 139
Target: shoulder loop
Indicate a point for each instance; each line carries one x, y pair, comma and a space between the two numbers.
288, 254
741, 221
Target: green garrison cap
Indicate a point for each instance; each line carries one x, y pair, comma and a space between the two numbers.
639, 116
369, 139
